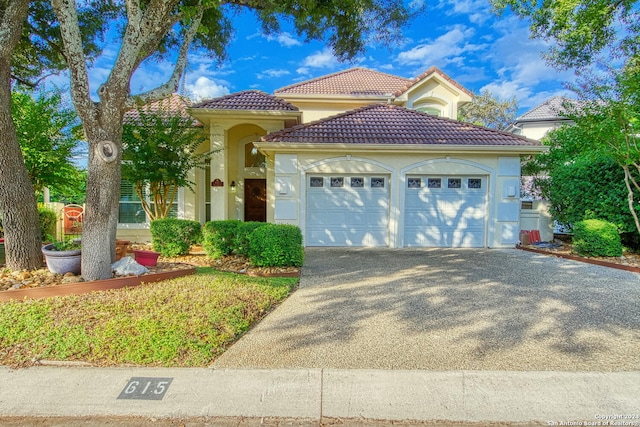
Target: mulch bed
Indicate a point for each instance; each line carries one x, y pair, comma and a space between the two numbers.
14, 280
628, 261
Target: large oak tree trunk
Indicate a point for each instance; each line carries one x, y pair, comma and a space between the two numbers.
17, 197
101, 206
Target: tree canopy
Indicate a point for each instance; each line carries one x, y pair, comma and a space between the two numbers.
488, 110
581, 30
160, 150
45, 130
605, 135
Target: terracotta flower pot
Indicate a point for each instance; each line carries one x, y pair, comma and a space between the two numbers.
62, 262
121, 248
149, 258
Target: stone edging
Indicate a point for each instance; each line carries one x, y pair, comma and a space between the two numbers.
97, 285
581, 259
258, 274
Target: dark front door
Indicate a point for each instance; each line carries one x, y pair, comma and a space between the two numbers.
255, 200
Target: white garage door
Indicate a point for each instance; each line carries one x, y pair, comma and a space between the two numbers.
445, 211
347, 210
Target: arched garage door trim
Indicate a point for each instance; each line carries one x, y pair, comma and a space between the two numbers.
469, 167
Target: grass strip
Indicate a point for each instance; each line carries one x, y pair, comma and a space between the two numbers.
187, 321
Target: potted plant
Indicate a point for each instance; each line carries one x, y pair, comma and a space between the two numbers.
63, 256
148, 258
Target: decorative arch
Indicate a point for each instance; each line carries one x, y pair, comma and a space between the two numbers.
350, 159
467, 163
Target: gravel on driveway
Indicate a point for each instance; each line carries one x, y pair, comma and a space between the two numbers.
449, 309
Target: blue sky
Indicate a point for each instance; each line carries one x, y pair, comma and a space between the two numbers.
461, 37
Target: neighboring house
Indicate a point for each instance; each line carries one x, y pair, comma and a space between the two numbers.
362, 158
538, 121
535, 124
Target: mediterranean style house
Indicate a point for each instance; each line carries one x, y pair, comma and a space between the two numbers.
358, 158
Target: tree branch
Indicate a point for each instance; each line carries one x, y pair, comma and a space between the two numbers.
171, 85
627, 177
13, 19
67, 15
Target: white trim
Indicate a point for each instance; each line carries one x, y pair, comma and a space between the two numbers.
490, 196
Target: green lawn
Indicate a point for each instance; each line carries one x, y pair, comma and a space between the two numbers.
182, 322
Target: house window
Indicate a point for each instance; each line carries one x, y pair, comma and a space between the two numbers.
253, 158
377, 182
474, 183
430, 110
337, 182
414, 183
434, 182
316, 182
357, 182
130, 207
455, 183
527, 205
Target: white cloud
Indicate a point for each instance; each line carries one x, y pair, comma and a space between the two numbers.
321, 59
303, 70
446, 49
285, 39
205, 88
272, 73
477, 11
521, 71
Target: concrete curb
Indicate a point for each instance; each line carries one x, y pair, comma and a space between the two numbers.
317, 394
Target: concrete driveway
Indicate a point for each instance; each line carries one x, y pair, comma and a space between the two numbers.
449, 309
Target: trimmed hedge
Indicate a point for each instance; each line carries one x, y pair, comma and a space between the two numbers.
219, 237
276, 245
241, 243
594, 237
172, 237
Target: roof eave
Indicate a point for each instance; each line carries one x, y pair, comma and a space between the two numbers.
334, 97
205, 114
274, 147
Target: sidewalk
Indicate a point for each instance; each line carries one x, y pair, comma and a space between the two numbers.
316, 395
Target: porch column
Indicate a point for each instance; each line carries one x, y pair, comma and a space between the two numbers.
219, 171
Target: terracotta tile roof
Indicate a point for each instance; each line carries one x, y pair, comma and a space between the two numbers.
551, 109
247, 100
355, 81
392, 124
172, 105
429, 72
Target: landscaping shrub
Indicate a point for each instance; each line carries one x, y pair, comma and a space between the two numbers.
594, 237
172, 237
219, 237
48, 221
241, 244
276, 245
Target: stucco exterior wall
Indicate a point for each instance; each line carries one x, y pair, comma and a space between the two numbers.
287, 202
